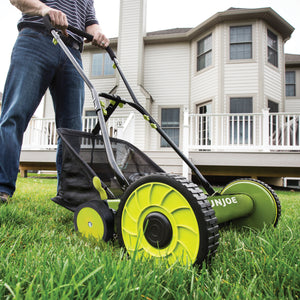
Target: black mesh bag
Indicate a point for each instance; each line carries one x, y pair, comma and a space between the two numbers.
84, 157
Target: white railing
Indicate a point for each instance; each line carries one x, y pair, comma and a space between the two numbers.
41, 133
244, 132
203, 132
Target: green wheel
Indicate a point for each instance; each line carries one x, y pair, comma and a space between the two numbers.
267, 207
166, 216
94, 219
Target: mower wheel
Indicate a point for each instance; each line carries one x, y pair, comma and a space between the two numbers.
166, 216
267, 208
94, 219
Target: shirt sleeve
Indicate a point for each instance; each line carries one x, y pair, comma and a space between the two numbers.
91, 14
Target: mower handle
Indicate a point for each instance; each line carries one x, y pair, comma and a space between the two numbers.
79, 32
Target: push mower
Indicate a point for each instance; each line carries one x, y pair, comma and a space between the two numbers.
115, 190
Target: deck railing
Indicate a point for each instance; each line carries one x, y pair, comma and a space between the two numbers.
244, 132
203, 132
41, 133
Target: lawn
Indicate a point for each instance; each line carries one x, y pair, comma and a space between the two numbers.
42, 257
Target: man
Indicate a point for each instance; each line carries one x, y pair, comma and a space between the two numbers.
37, 64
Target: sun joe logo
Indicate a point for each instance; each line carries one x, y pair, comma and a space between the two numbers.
223, 201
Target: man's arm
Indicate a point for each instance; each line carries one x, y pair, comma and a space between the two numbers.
100, 39
38, 8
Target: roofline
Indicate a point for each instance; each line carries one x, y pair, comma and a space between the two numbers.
267, 14
292, 60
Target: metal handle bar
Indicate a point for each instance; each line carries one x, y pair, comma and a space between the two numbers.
110, 156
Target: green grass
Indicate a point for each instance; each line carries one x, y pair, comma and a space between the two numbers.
41, 257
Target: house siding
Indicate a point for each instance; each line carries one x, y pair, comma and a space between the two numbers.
205, 83
292, 104
101, 84
168, 86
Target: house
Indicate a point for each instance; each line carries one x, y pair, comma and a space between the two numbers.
292, 82
232, 63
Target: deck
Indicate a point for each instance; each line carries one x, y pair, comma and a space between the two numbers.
254, 145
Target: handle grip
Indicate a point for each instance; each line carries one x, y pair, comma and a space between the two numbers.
81, 33
47, 23
89, 37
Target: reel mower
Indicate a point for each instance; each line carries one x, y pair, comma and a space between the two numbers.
114, 189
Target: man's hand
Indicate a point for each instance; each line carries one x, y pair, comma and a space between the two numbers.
58, 19
100, 40
38, 8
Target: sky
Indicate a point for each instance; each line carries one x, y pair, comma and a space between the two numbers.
161, 14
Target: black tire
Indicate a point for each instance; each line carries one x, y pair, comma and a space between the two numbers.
94, 218
174, 221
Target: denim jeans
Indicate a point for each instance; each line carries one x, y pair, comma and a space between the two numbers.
36, 64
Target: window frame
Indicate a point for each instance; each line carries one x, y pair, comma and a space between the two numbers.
104, 64
270, 48
205, 53
204, 123
161, 139
290, 84
234, 43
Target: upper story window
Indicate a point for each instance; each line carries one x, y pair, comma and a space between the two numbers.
290, 83
241, 42
204, 52
102, 65
272, 48
170, 123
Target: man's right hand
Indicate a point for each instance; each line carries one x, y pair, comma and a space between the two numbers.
58, 19
38, 8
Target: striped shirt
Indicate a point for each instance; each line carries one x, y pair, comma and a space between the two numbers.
80, 14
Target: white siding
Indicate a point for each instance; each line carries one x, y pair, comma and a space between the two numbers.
166, 73
101, 84
241, 78
166, 78
273, 84
204, 84
130, 54
292, 105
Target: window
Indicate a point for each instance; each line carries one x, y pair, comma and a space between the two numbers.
241, 127
272, 49
204, 53
241, 42
290, 83
273, 108
170, 123
205, 124
102, 65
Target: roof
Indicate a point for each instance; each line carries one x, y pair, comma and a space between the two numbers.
232, 14
169, 31
292, 60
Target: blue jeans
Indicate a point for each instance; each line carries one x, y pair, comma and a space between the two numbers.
36, 64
